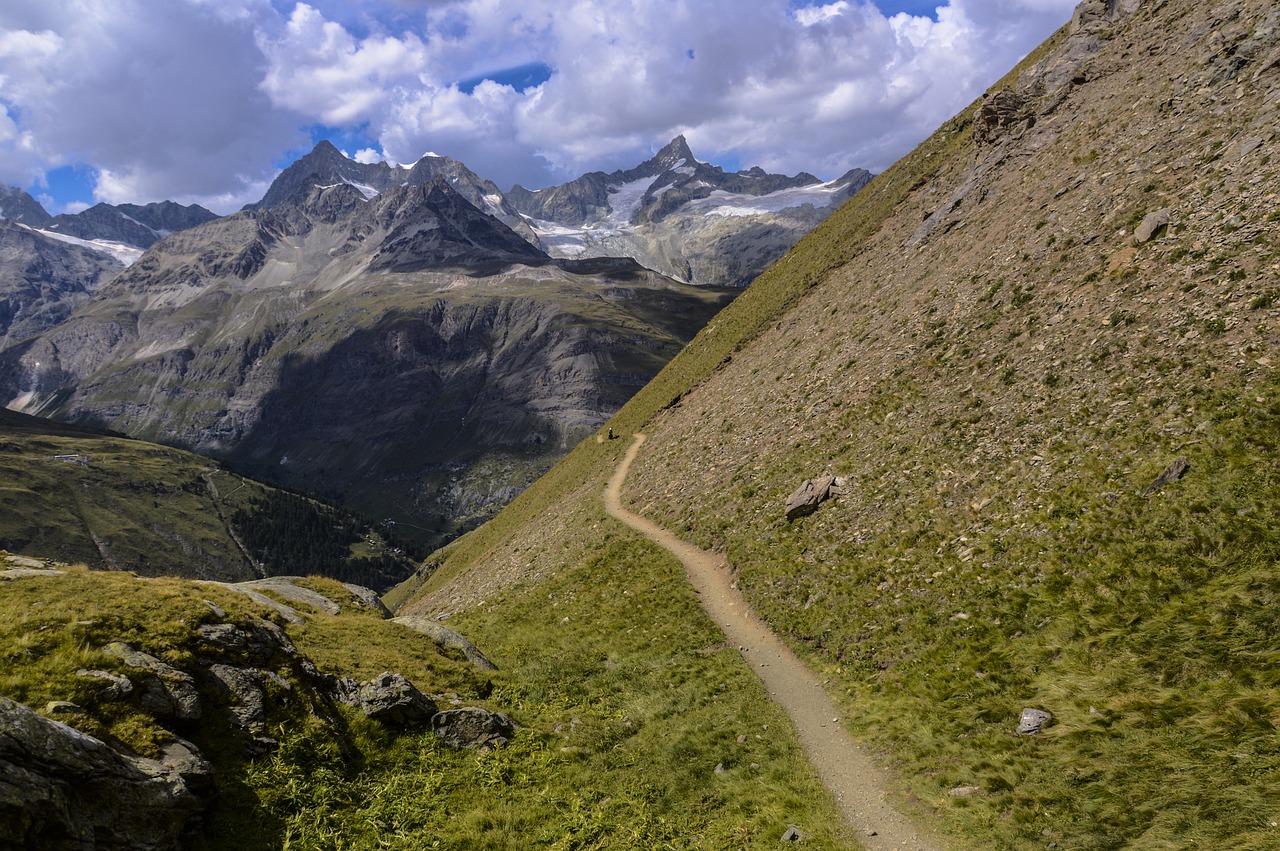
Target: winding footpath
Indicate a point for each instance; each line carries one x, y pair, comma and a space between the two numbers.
856, 782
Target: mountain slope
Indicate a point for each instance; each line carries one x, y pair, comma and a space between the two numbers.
77, 495
999, 345
404, 353
42, 280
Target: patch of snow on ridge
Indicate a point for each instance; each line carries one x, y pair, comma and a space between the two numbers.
126, 254
493, 203
367, 191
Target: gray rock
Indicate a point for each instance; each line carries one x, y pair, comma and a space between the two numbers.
243, 690
389, 698
165, 692
287, 587
114, 686
224, 636
997, 114
792, 834
967, 792
1151, 225
807, 498
448, 638
473, 727
1033, 721
61, 790
1171, 474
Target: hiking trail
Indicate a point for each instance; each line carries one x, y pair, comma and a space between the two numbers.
859, 786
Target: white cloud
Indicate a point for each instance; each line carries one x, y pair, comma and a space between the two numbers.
810, 15
195, 98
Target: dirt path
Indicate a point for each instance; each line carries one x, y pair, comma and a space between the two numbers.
858, 785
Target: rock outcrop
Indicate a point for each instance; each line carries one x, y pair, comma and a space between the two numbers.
61, 790
446, 637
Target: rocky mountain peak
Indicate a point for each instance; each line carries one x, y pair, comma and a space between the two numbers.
675, 152
18, 206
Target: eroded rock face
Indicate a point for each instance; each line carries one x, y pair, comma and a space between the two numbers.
61, 789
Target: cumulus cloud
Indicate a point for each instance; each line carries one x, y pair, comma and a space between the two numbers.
162, 98
194, 99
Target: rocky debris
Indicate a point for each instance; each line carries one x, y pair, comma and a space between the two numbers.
165, 692
1033, 721
1151, 225
806, 498
997, 114
472, 727
1171, 474
389, 698
446, 638
61, 790
21, 567
114, 686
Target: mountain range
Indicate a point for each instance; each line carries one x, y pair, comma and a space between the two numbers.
410, 310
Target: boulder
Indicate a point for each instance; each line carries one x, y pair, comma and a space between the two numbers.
806, 498
473, 727
1151, 225
241, 688
1033, 721
367, 598
61, 790
224, 636
389, 698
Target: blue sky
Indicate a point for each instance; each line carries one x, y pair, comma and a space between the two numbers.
200, 102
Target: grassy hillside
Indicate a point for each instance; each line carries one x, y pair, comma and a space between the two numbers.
1002, 342
78, 495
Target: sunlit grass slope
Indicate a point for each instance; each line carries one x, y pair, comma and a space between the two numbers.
1001, 369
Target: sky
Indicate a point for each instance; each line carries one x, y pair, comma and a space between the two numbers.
205, 101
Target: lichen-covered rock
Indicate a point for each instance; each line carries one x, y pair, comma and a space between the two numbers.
61, 790
114, 686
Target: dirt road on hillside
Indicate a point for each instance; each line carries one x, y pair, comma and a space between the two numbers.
858, 785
